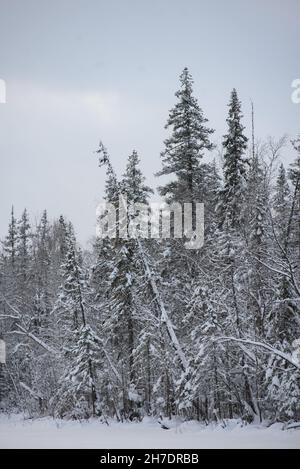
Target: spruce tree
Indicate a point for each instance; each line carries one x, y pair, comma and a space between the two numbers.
133, 182
235, 166
10, 243
9, 260
77, 392
281, 204
185, 147
124, 281
23, 245
42, 261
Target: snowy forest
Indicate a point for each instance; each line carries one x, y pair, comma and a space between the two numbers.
145, 327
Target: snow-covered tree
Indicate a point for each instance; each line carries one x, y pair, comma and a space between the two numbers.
185, 147
24, 244
235, 166
282, 204
133, 182
77, 391
10, 243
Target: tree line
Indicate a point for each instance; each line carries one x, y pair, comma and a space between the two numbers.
135, 327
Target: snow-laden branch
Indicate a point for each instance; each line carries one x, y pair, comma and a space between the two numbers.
262, 345
273, 269
284, 250
38, 341
51, 349
114, 370
11, 306
23, 331
8, 316
290, 275
34, 394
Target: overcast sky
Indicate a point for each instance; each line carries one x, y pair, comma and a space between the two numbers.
77, 71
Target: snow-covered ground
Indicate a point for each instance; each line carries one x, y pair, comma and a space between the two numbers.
15, 432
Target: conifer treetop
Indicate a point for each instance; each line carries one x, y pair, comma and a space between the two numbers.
189, 139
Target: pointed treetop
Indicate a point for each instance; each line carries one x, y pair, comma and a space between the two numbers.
185, 147
133, 182
186, 80
235, 165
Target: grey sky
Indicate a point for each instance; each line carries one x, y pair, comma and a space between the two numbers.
78, 71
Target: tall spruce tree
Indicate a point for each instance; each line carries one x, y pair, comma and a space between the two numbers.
77, 393
42, 263
24, 246
281, 204
185, 147
10, 243
123, 287
235, 166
